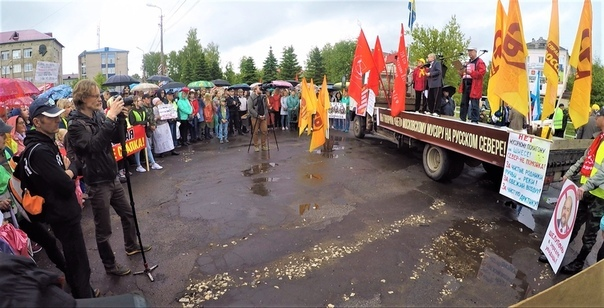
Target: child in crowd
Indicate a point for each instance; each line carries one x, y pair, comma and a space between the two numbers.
223, 121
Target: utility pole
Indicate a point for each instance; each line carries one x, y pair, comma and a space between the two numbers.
161, 37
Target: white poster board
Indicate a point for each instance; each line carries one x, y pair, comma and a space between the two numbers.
166, 112
337, 111
556, 239
47, 72
524, 169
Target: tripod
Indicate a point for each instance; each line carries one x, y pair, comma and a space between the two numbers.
254, 127
121, 126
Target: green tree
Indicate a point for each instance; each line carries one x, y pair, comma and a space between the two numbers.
151, 63
215, 71
315, 66
173, 65
212, 55
289, 67
200, 68
338, 59
450, 42
137, 77
230, 74
100, 80
188, 72
249, 73
269, 68
597, 86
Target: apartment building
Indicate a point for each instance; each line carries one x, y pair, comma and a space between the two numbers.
107, 61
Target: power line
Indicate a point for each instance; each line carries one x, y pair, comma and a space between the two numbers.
183, 16
176, 11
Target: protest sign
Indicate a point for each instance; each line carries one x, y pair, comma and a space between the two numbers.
47, 72
136, 140
166, 112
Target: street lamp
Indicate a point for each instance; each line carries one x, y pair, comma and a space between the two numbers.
144, 79
161, 37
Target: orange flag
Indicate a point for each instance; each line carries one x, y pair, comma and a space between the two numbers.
550, 69
400, 79
581, 60
361, 64
320, 126
497, 59
512, 84
375, 74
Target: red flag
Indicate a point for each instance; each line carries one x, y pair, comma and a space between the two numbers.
361, 64
400, 84
375, 74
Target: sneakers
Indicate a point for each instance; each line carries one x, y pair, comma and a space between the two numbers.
226, 140
140, 169
282, 128
35, 247
543, 258
221, 140
256, 148
118, 270
156, 166
137, 250
96, 293
174, 153
264, 148
435, 114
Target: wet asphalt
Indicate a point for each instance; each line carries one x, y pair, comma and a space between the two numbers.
359, 226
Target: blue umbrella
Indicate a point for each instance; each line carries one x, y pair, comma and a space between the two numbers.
58, 92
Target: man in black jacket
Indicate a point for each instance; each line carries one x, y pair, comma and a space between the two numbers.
90, 135
44, 172
233, 104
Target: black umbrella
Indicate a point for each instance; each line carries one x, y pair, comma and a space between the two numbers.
221, 83
174, 85
243, 86
120, 80
158, 78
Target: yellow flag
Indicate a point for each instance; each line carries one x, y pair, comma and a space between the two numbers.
497, 59
550, 69
320, 120
312, 95
304, 115
512, 83
581, 60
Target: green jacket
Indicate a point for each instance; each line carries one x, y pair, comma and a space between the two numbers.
184, 107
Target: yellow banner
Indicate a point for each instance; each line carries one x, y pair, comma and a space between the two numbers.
497, 59
512, 83
303, 115
581, 60
550, 69
320, 124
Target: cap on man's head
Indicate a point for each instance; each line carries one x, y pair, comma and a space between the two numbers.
595, 107
170, 92
472, 48
5, 128
45, 107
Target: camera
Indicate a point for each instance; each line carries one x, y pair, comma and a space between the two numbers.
128, 101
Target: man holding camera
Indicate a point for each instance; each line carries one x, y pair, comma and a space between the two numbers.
258, 110
90, 135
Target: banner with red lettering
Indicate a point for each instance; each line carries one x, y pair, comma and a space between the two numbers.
556, 239
136, 140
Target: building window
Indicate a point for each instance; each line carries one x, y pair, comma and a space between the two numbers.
111, 58
5, 55
30, 79
17, 54
541, 59
111, 70
5, 70
83, 69
28, 67
104, 70
16, 68
27, 53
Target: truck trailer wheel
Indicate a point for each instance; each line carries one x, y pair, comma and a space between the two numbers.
358, 127
436, 162
455, 166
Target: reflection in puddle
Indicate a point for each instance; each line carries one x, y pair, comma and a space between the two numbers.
313, 176
259, 168
497, 271
306, 207
264, 180
329, 155
260, 189
525, 217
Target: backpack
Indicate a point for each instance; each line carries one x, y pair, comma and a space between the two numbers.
31, 204
71, 152
260, 105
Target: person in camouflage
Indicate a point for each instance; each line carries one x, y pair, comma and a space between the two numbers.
591, 206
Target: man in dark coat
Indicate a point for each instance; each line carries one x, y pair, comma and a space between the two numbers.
435, 84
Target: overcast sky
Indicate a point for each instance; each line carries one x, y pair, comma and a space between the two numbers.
248, 28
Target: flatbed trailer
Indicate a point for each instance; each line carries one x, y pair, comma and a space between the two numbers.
449, 143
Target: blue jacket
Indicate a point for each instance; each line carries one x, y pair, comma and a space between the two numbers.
219, 114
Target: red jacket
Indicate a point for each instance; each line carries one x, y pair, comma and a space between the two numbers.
195, 106
419, 78
477, 75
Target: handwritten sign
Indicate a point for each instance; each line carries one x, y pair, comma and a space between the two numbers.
166, 112
47, 72
557, 237
524, 168
136, 140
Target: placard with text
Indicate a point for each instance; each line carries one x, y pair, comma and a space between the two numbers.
556, 239
524, 168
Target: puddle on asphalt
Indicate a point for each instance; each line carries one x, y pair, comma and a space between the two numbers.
330, 155
522, 214
307, 207
497, 271
313, 176
259, 168
265, 180
260, 189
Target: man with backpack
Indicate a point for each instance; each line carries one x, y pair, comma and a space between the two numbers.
44, 173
